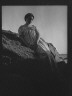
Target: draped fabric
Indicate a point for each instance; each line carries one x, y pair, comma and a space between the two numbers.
43, 49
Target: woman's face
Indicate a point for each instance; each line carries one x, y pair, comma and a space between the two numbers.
29, 20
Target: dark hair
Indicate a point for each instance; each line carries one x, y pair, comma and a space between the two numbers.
28, 15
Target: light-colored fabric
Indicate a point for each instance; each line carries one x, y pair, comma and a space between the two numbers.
43, 44
55, 53
42, 48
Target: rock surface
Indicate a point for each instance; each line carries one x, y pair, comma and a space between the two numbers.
12, 43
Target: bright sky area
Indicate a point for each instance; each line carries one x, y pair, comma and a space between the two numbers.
51, 22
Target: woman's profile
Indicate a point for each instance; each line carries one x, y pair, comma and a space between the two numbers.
28, 33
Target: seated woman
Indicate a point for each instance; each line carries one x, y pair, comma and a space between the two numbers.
28, 33
31, 38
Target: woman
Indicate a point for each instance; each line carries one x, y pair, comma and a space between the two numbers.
28, 33
30, 36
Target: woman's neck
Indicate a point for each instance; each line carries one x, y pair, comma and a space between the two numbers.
27, 24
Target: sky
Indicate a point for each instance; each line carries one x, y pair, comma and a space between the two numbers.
50, 21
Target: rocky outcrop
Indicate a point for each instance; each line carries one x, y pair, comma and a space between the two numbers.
11, 42
14, 48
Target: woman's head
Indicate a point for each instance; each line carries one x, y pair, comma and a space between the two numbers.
29, 17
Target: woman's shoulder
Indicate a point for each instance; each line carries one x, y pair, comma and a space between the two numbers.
22, 29
22, 26
34, 26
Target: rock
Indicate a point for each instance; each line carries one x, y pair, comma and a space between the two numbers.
15, 48
11, 42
